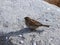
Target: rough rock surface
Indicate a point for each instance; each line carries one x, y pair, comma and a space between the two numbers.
12, 26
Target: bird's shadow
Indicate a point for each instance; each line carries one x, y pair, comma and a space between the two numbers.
23, 31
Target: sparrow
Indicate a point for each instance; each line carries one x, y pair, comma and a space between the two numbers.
33, 24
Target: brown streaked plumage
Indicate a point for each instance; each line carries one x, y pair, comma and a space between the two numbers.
33, 24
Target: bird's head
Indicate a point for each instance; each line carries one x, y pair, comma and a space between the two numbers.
26, 18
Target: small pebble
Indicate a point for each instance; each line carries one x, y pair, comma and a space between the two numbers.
21, 42
20, 36
6, 37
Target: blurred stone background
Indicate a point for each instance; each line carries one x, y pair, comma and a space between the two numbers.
55, 2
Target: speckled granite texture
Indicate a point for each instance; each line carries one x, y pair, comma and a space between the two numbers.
12, 13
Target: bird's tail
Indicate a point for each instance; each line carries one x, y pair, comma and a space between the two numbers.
46, 25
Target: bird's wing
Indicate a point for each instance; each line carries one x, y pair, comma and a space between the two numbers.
35, 23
